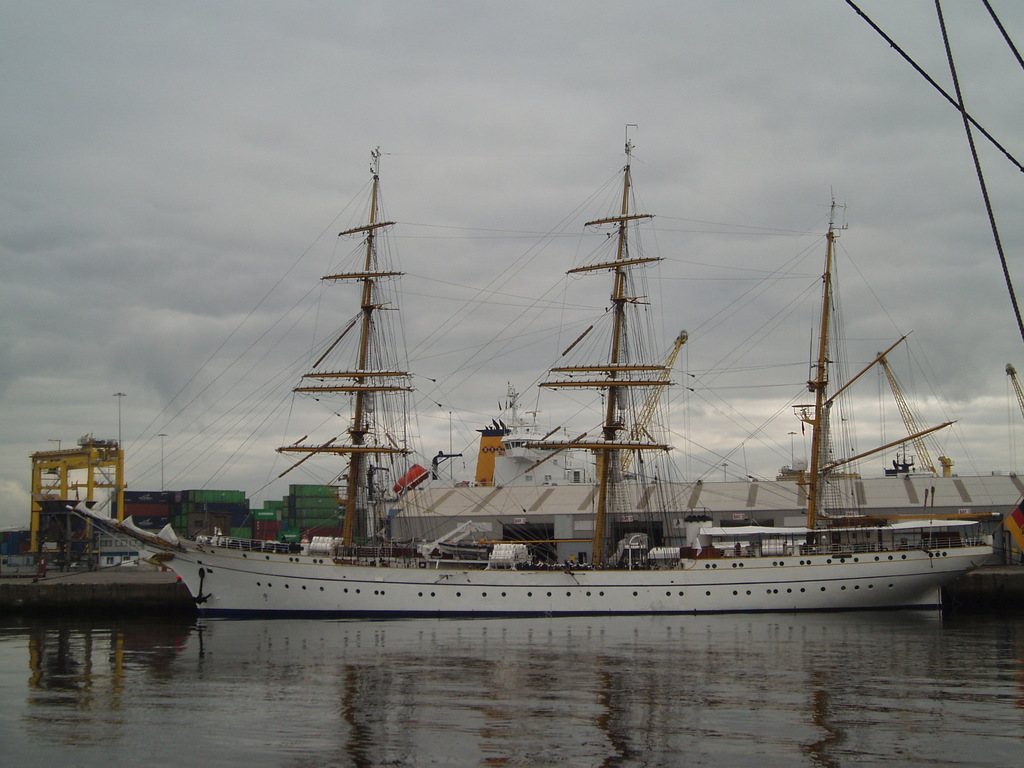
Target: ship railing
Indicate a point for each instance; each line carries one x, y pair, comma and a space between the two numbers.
245, 545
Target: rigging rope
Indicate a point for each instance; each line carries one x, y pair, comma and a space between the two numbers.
936, 86
977, 168
1004, 33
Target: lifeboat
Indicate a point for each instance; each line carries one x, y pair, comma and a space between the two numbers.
410, 479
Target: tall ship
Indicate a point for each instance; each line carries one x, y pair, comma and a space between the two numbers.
634, 545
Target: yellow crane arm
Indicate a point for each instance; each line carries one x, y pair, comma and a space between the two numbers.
908, 418
643, 419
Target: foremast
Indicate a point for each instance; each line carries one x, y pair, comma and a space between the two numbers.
620, 377
369, 382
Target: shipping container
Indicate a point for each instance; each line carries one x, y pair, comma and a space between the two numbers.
266, 530
135, 509
309, 502
313, 491
148, 497
215, 497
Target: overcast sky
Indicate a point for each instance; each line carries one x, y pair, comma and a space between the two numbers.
169, 169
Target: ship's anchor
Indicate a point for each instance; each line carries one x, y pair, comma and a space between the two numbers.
201, 598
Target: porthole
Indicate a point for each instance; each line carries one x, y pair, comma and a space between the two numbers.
303, 586
822, 589
708, 593
748, 591
321, 589
635, 594
680, 594
483, 594
877, 558
802, 589
734, 565
735, 592
829, 561
891, 586
432, 594
569, 594
244, 554
549, 594
420, 594
345, 590
842, 588
269, 584
588, 594
788, 591
503, 594
903, 557
286, 586
529, 594
458, 594
601, 594
667, 594
357, 591
258, 584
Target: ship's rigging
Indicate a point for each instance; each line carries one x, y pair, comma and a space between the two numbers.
376, 432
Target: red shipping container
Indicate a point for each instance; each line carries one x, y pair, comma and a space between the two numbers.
266, 530
146, 510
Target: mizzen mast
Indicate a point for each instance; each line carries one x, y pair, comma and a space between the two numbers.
620, 377
368, 382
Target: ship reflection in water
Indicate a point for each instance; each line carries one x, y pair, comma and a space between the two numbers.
781, 690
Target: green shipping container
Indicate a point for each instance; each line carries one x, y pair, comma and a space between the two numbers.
215, 497
309, 502
312, 490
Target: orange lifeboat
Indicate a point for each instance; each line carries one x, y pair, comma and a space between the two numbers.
410, 479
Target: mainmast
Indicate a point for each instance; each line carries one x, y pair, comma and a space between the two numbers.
619, 377
819, 418
369, 382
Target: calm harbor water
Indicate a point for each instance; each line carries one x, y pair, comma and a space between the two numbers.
907, 688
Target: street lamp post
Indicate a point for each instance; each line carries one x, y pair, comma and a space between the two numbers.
162, 435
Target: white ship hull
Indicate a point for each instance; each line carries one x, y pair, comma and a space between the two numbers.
226, 581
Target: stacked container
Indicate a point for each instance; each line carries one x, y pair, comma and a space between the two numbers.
314, 510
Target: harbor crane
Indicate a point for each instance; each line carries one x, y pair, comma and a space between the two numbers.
1012, 373
923, 454
653, 398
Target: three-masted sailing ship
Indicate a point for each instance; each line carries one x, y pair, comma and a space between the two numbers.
687, 565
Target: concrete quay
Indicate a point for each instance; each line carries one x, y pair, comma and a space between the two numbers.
115, 592
990, 588
145, 591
